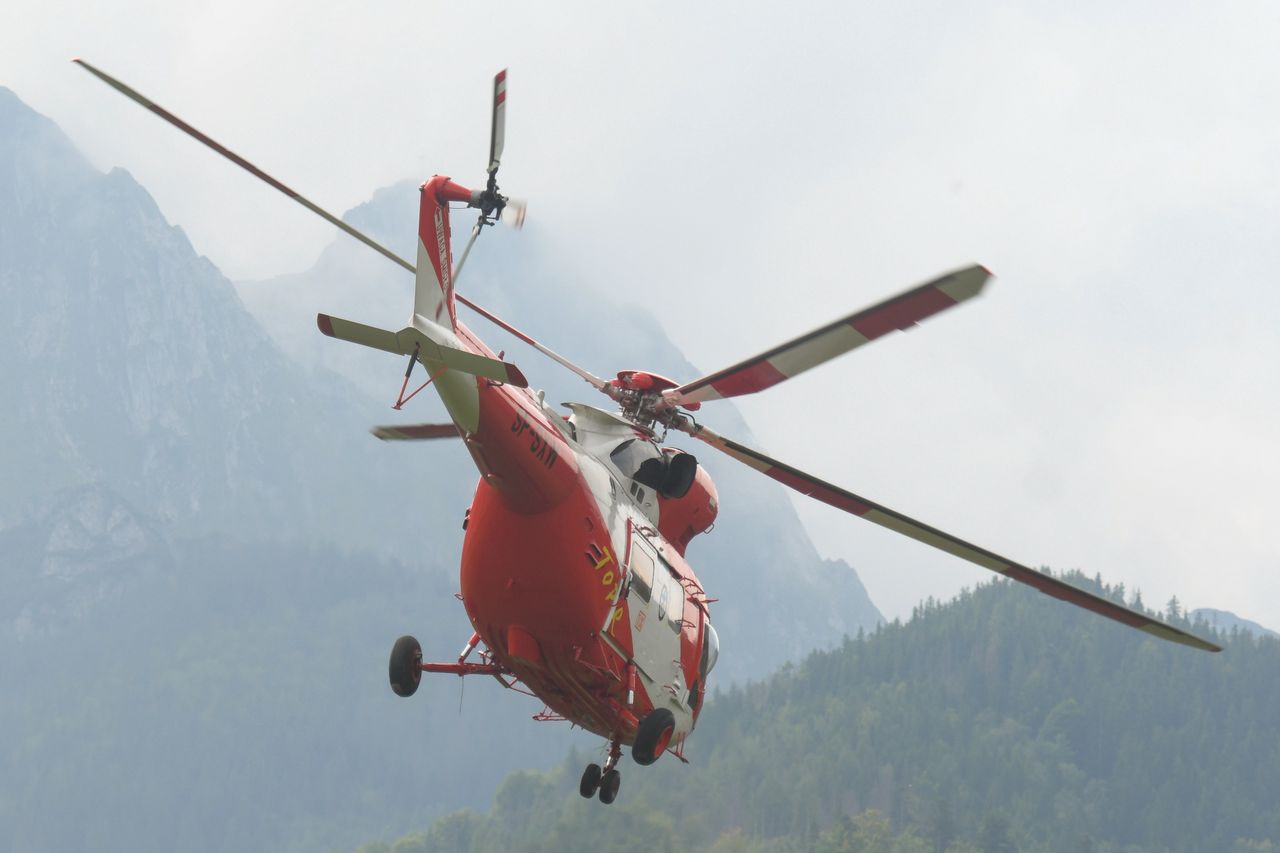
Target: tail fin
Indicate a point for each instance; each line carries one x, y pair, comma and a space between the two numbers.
433, 293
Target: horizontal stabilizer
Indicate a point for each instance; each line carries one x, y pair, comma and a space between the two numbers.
434, 355
359, 333
415, 432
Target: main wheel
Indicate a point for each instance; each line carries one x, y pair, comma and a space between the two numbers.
652, 736
405, 669
590, 781
609, 784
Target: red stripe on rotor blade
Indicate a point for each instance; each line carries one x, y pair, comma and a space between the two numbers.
757, 377
502, 96
502, 75
806, 486
1064, 591
325, 322
902, 313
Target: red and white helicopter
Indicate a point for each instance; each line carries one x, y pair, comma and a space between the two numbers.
573, 563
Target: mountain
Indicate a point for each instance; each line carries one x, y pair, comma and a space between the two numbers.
778, 598
87, 547
1000, 721
1225, 622
130, 361
204, 557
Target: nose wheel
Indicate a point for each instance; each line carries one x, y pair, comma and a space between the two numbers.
603, 781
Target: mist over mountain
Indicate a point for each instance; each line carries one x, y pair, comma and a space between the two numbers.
204, 556
131, 362
1226, 621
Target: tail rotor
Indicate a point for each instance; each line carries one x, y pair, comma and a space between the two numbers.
492, 203
494, 207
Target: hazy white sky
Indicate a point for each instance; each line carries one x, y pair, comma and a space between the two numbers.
751, 171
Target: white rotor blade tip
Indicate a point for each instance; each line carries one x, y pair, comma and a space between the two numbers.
497, 130
513, 213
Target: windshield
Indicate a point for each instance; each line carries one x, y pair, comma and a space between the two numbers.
640, 461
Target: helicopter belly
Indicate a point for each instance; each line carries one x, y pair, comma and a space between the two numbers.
529, 569
542, 591
532, 589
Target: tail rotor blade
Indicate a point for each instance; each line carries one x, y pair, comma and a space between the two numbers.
513, 212
415, 432
497, 130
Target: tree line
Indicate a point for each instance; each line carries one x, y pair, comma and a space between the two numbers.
999, 721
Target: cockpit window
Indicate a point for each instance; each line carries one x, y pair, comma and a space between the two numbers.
640, 461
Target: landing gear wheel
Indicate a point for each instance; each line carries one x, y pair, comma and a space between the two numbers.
652, 736
609, 784
405, 669
590, 781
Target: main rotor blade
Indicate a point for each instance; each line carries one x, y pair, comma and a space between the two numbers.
595, 381
415, 432
498, 127
240, 161
499, 114
796, 356
807, 484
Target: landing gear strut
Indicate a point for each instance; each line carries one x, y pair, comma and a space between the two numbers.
606, 781
406, 665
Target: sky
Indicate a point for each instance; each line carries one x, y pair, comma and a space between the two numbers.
749, 171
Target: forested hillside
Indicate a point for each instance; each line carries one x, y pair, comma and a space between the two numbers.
1000, 721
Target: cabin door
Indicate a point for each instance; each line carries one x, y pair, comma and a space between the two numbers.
655, 604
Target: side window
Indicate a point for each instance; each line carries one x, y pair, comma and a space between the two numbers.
671, 605
676, 612
641, 572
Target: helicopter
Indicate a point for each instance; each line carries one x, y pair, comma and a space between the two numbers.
573, 571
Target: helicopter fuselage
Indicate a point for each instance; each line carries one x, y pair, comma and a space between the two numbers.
565, 573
